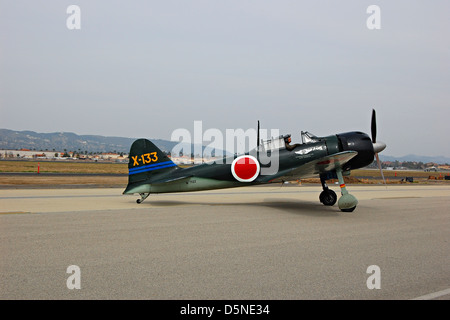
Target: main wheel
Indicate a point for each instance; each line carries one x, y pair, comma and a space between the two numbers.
328, 197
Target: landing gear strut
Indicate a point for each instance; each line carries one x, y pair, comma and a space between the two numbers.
347, 202
143, 197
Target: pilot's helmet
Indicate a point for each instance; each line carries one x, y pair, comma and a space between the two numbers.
287, 138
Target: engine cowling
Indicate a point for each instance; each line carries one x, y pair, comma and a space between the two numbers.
359, 142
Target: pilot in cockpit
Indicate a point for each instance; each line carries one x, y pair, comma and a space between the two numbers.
287, 141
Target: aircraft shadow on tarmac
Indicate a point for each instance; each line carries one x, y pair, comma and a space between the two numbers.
287, 205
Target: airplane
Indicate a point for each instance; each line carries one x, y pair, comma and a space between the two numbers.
331, 157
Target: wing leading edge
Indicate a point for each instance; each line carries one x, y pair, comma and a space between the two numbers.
312, 168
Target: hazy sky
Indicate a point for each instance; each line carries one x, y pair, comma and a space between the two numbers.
146, 68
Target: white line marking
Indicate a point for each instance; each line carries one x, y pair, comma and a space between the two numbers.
433, 295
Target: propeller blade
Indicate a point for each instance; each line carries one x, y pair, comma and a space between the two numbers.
377, 146
381, 170
373, 126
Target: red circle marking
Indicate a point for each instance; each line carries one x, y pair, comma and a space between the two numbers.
245, 168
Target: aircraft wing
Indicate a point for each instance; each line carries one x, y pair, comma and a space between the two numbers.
312, 168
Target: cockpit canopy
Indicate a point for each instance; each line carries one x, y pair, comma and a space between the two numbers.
309, 137
274, 143
279, 142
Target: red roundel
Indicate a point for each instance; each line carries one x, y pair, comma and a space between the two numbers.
245, 168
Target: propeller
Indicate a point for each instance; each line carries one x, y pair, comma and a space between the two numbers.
377, 146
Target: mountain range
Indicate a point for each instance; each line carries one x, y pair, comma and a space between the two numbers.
417, 158
60, 141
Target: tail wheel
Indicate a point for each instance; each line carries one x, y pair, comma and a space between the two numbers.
143, 197
328, 197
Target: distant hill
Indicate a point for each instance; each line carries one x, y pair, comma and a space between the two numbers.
417, 158
10, 139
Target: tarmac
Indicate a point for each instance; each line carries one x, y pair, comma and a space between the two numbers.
250, 243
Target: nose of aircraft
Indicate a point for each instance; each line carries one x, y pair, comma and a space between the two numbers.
379, 146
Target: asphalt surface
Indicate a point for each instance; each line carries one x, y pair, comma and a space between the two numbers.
276, 243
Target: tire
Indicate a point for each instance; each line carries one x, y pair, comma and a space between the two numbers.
328, 197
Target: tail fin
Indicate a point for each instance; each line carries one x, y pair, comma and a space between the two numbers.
146, 161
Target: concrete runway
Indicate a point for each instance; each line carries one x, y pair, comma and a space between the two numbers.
258, 243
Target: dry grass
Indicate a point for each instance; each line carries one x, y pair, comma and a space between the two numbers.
392, 173
96, 171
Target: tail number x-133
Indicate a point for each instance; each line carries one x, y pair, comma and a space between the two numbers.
145, 158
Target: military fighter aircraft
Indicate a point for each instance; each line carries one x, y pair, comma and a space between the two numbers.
329, 157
